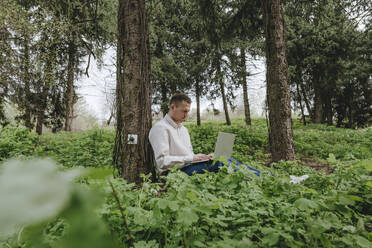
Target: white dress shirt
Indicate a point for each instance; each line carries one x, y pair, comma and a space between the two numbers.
171, 144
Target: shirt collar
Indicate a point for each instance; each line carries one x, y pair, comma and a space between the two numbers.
171, 122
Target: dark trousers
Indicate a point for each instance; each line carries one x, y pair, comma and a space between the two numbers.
201, 167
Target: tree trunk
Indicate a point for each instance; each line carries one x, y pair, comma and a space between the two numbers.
117, 153
137, 156
222, 87
197, 93
110, 118
41, 108
164, 99
307, 104
49, 80
70, 91
329, 110
280, 123
247, 111
318, 106
27, 79
301, 107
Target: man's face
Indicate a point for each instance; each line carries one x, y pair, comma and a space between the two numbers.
179, 113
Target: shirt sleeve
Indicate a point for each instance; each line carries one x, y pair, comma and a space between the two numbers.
159, 139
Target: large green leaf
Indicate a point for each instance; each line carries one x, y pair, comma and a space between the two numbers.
31, 192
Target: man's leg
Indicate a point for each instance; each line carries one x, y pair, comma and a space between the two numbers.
200, 168
240, 165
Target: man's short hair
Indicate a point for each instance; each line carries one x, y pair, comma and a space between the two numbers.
179, 98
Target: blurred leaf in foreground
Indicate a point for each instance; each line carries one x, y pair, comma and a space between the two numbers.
31, 192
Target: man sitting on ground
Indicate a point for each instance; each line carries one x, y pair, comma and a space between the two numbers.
171, 142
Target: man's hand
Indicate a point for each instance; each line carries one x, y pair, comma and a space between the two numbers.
200, 157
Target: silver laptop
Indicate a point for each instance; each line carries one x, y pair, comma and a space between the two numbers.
224, 146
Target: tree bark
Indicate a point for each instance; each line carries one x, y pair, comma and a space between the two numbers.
117, 154
329, 110
197, 96
301, 106
222, 87
307, 104
27, 79
70, 91
42, 108
247, 111
164, 99
280, 123
318, 105
136, 88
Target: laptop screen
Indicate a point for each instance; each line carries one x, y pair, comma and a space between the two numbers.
224, 145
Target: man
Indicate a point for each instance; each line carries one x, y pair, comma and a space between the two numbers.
171, 143
170, 140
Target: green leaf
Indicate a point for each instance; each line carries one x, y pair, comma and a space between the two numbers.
173, 205
162, 203
362, 242
304, 204
146, 244
349, 228
186, 216
271, 236
31, 192
331, 158
344, 200
367, 163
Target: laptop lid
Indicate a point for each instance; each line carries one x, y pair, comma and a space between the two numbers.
224, 145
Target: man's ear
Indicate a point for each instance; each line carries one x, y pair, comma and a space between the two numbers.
172, 106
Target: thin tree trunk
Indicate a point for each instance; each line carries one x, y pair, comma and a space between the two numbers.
27, 79
329, 110
222, 87
110, 118
70, 91
307, 104
318, 105
137, 157
49, 80
280, 123
42, 108
301, 107
164, 99
247, 110
197, 93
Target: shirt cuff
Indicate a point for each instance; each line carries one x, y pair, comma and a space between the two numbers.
189, 158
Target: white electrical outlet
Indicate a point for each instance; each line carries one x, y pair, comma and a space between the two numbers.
132, 139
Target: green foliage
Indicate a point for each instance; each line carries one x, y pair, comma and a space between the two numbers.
42, 208
240, 210
88, 149
16, 142
94, 148
328, 43
321, 140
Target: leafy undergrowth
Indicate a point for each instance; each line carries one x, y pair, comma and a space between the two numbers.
88, 149
241, 210
313, 143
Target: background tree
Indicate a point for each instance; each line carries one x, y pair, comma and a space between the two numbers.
280, 123
38, 45
245, 27
326, 45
